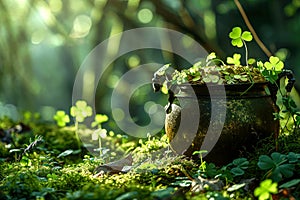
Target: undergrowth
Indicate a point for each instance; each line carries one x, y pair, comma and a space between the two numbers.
43, 162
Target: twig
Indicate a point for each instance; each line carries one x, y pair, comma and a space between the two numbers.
250, 27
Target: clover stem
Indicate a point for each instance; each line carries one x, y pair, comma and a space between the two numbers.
100, 145
77, 134
216, 59
246, 52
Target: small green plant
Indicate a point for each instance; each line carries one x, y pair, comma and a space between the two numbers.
100, 132
279, 165
203, 163
208, 72
271, 69
99, 119
61, 118
235, 60
80, 111
238, 166
266, 189
239, 39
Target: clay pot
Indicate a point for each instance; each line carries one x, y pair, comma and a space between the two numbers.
248, 118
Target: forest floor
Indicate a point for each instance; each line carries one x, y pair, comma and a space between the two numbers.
43, 161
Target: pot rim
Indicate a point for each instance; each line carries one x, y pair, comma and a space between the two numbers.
240, 90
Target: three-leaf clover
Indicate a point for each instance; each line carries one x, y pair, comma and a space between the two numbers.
274, 64
265, 189
61, 118
81, 110
240, 164
235, 60
99, 119
277, 166
211, 56
238, 36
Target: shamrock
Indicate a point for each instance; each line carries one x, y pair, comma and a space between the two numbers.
275, 64
235, 59
238, 37
211, 56
80, 111
61, 118
99, 119
265, 189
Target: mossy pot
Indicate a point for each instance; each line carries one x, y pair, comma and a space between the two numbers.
237, 118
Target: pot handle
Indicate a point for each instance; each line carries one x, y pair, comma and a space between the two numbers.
291, 81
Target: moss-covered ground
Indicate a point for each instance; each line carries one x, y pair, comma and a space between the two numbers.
42, 161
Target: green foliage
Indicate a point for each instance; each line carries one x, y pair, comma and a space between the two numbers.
271, 69
81, 111
239, 165
61, 118
99, 119
238, 37
235, 60
279, 166
265, 189
209, 72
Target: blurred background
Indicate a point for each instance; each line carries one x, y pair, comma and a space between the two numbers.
44, 42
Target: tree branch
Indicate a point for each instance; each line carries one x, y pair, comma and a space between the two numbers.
250, 27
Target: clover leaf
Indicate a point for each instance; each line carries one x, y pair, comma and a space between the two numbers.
277, 166
99, 119
211, 56
246, 35
235, 60
274, 64
265, 189
80, 111
238, 36
240, 164
61, 118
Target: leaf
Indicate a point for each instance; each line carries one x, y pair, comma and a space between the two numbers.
274, 60
236, 187
65, 153
14, 150
290, 183
230, 60
247, 36
211, 56
251, 61
241, 162
279, 66
260, 64
293, 158
265, 188
237, 42
268, 66
214, 78
161, 71
244, 79
237, 76
163, 193
128, 196
101, 118
287, 170
265, 162
206, 79
61, 118
277, 157
115, 167
235, 33
196, 78
237, 171
81, 110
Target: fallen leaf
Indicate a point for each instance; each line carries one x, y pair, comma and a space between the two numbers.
124, 165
